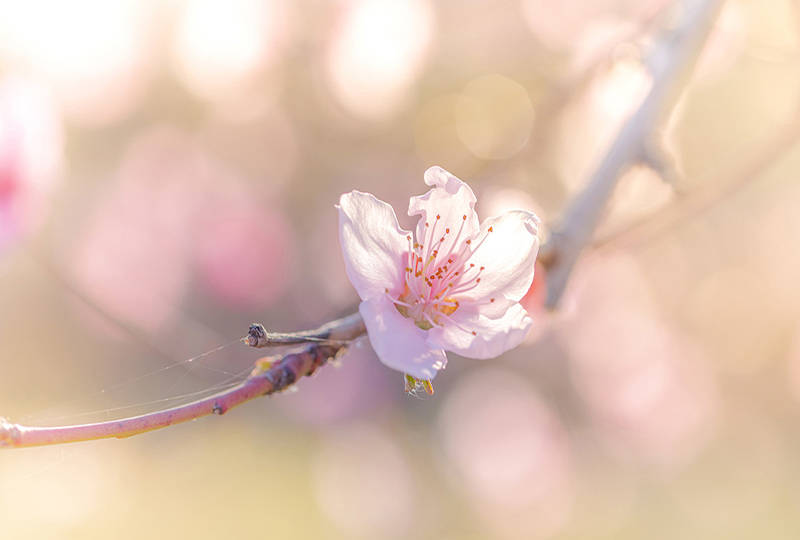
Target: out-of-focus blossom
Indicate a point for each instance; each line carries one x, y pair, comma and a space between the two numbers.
220, 47
456, 287
378, 48
174, 211
131, 255
92, 53
363, 483
494, 117
31, 147
130, 263
646, 386
510, 453
243, 253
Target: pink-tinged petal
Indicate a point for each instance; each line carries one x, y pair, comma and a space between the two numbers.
506, 249
398, 342
373, 245
492, 336
451, 200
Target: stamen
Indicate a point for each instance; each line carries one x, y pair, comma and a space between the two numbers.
401, 303
450, 320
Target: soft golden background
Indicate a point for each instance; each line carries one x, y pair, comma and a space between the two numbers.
168, 172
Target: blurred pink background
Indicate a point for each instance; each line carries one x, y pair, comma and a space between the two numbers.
168, 172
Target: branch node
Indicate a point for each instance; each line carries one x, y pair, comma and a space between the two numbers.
218, 409
656, 158
256, 336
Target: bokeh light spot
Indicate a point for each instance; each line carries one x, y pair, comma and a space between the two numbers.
509, 452
494, 117
377, 50
220, 46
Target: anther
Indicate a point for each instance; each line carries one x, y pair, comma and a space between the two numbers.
490, 229
464, 217
474, 333
447, 230
469, 241
491, 299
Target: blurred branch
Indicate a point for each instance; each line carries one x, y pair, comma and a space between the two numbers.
670, 57
769, 149
266, 378
565, 91
736, 177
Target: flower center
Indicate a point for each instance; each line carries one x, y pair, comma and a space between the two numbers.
438, 271
425, 314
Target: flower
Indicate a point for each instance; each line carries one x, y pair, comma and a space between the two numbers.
454, 286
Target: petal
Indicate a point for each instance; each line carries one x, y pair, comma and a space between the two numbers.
373, 244
493, 336
451, 200
398, 342
507, 253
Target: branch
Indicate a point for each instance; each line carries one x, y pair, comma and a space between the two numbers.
279, 375
560, 254
717, 188
669, 58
